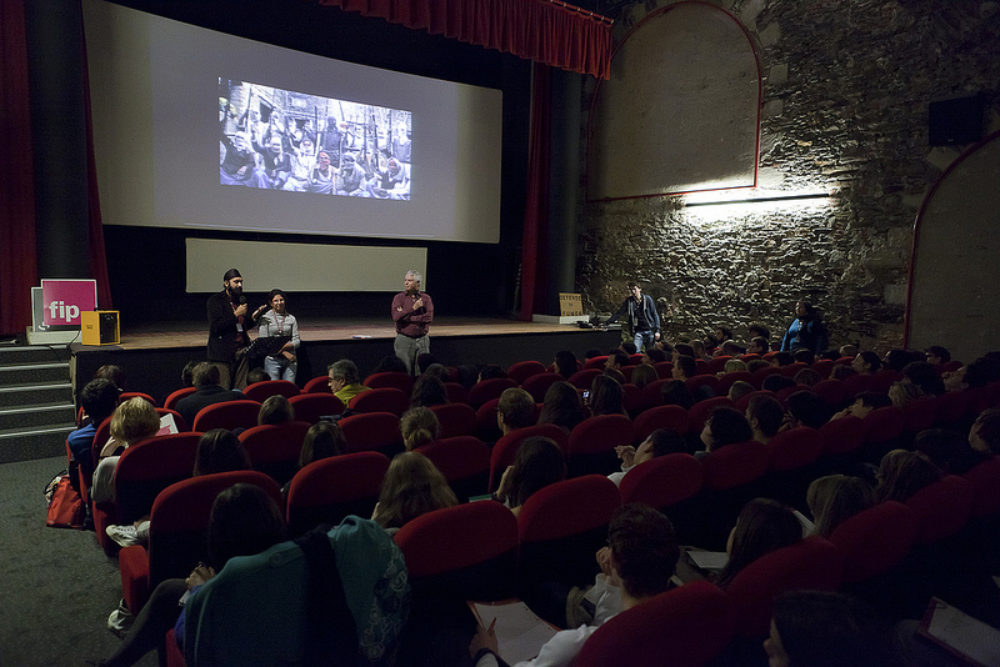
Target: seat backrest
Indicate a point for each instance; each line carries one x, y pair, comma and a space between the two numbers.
761, 373
309, 407
811, 564
317, 385
383, 399
883, 424
664, 369
727, 380
592, 444
823, 367
884, 379
464, 552
227, 415
694, 384
392, 379
485, 390
455, 419
663, 481
652, 393
919, 414
833, 392
985, 479
745, 399
597, 362
561, 527
582, 379
179, 519
274, 448
794, 448
600, 434
457, 393
942, 508
672, 417
699, 412
505, 449
875, 540
522, 370
538, 384
327, 490
692, 625
464, 460
372, 431
259, 391
150, 466
126, 395
171, 400
717, 364
487, 428
843, 435
735, 465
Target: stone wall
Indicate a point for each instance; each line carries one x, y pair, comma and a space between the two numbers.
845, 96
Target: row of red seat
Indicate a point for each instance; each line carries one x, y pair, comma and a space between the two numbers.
507, 551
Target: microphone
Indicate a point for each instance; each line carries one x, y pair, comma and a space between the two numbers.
243, 299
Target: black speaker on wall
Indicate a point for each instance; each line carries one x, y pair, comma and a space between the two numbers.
956, 121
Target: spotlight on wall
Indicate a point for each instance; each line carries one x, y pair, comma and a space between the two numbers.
719, 206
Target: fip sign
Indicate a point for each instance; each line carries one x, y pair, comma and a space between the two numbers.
64, 300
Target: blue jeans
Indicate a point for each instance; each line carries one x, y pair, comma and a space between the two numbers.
279, 368
643, 340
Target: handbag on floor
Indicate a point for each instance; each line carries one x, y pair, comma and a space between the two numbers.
66, 509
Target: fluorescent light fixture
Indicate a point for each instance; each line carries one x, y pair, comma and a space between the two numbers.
730, 206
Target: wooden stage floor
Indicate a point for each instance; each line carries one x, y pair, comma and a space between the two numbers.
194, 334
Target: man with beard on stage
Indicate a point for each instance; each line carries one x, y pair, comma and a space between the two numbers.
228, 323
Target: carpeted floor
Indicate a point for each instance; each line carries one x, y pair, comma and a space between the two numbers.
57, 587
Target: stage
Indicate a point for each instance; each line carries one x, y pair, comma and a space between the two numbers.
153, 355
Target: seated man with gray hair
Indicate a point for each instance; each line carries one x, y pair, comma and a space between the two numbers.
345, 381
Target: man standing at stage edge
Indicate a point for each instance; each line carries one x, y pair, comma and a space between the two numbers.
228, 322
413, 312
643, 320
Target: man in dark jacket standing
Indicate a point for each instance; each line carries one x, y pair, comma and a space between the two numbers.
643, 320
228, 323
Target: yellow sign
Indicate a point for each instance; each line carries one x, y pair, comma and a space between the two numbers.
570, 304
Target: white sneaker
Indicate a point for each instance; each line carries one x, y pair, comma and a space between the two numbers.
120, 620
124, 536
142, 532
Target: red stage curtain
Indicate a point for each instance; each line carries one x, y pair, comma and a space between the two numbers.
545, 31
536, 206
18, 263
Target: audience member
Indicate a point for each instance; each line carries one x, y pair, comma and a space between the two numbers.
516, 409
112, 373
984, 436
803, 356
863, 404
733, 366
606, 397
562, 406
675, 392
807, 377
806, 330
896, 359
758, 345
807, 409
947, 449
187, 373
490, 372
848, 350
98, 398
643, 374
902, 473
418, 427
660, 442
776, 382
323, 440
275, 410
257, 374
766, 416
725, 426
782, 359
835, 498
345, 382
617, 359
826, 629
739, 389
637, 565
867, 363
132, 421
762, 526
925, 376
842, 372
412, 486
390, 363
244, 521
903, 392
937, 355
684, 368
220, 451
538, 463
566, 363
207, 392
428, 390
